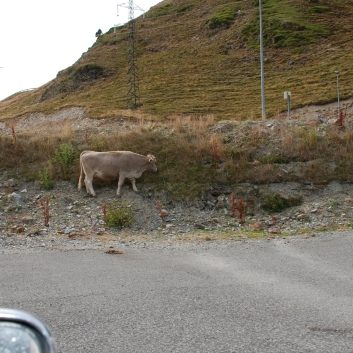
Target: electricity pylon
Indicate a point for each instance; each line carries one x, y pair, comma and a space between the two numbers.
133, 93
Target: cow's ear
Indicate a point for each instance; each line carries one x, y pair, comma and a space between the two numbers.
151, 158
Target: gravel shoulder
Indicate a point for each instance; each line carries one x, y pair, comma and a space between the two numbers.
76, 222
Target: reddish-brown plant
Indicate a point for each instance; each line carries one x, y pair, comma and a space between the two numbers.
341, 119
274, 220
14, 138
215, 154
73, 235
45, 210
238, 208
162, 214
232, 204
92, 223
105, 215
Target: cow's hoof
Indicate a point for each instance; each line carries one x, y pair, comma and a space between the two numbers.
118, 196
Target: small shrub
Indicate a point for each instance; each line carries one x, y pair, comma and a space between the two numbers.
64, 156
98, 143
185, 8
276, 159
163, 10
88, 72
277, 203
294, 201
119, 216
331, 203
45, 180
224, 18
319, 9
274, 203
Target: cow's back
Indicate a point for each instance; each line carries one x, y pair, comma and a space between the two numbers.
104, 165
108, 165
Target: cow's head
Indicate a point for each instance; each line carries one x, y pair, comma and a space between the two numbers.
152, 162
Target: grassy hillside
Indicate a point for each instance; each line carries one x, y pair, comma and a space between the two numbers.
200, 57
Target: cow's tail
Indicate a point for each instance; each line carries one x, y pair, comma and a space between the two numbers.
79, 186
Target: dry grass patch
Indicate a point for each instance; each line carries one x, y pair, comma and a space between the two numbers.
193, 153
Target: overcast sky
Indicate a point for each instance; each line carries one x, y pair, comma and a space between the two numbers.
38, 38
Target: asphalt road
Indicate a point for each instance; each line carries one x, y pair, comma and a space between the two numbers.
273, 296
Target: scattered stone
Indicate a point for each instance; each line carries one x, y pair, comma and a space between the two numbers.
27, 219
10, 183
257, 226
114, 252
274, 230
72, 235
15, 196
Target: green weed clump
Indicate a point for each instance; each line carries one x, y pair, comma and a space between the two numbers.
87, 72
46, 181
170, 9
285, 25
119, 216
275, 159
224, 18
64, 157
276, 203
331, 203
319, 9
162, 11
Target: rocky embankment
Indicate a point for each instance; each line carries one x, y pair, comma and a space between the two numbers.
77, 221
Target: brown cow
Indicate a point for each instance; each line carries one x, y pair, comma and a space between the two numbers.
110, 165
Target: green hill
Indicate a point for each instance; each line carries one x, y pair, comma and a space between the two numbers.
202, 57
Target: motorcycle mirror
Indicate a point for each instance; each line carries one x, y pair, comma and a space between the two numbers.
21, 332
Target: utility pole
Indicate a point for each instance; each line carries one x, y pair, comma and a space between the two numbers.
133, 94
263, 104
287, 95
338, 94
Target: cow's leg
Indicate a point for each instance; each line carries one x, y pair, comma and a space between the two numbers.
81, 176
120, 183
133, 184
89, 186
